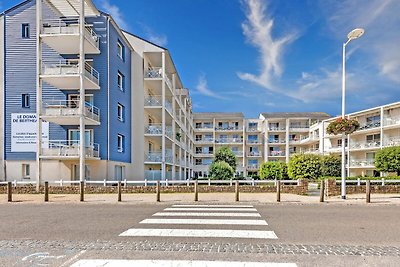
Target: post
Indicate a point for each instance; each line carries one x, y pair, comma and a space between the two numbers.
322, 191
236, 190
82, 190
46, 191
82, 133
119, 191
9, 191
278, 191
368, 191
343, 114
158, 189
196, 190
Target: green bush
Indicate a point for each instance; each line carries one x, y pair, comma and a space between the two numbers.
331, 165
273, 170
388, 160
306, 166
226, 154
220, 171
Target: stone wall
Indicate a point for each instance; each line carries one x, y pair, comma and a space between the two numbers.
333, 189
300, 189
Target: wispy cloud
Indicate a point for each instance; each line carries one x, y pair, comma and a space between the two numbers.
202, 88
152, 36
258, 32
115, 12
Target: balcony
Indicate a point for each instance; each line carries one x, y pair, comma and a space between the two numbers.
63, 36
254, 154
153, 101
168, 106
366, 163
203, 154
392, 141
64, 74
153, 129
294, 141
277, 141
67, 112
277, 154
204, 129
229, 141
168, 132
252, 129
389, 121
229, 129
309, 139
374, 125
154, 157
364, 145
68, 150
299, 128
153, 73
152, 175
253, 167
204, 141
254, 141
277, 129
310, 151
238, 153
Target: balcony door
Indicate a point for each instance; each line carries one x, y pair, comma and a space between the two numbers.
73, 136
74, 100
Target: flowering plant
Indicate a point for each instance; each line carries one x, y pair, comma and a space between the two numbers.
343, 125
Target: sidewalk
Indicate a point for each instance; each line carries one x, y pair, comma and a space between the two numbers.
253, 198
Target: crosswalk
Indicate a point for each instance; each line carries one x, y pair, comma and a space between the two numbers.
189, 221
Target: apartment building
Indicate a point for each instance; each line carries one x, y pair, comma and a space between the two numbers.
110, 105
379, 128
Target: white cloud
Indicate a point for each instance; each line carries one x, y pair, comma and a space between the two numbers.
258, 32
158, 39
202, 88
115, 12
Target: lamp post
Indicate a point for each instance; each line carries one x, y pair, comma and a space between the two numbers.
354, 34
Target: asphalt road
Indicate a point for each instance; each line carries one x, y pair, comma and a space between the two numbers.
308, 235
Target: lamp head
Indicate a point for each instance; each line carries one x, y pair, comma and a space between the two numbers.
356, 33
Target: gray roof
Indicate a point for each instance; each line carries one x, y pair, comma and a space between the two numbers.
309, 115
218, 115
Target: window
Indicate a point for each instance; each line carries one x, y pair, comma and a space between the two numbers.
76, 174
119, 173
25, 30
121, 50
25, 101
121, 143
121, 112
198, 162
121, 81
208, 125
198, 125
26, 171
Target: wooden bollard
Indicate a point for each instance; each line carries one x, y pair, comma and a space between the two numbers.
368, 191
196, 191
9, 191
322, 191
119, 191
158, 189
236, 190
278, 191
82, 190
46, 191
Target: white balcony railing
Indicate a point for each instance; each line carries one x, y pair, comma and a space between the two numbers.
254, 141
153, 73
153, 129
369, 125
392, 141
229, 128
238, 153
299, 128
204, 140
253, 167
254, 154
152, 175
168, 106
277, 141
153, 101
70, 108
362, 163
68, 26
69, 67
392, 121
168, 81
277, 128
277, 153
168, 132
153, 157
363, 145
229, 140
69, 148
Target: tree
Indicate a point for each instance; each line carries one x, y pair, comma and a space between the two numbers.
226, 154
221, 171
304, 166
388, 160
273, 170
331, 165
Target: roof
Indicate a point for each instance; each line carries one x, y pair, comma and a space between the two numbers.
284, 115
220, 115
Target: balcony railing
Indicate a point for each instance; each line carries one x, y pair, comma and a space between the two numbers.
277, 128
299, 128
211, 128
277, 153
253, 129
168, 106
153, 101
369, 125
69, 67
69, 148
392, 121
204, 140
253, 141
168, 132
392, 141
277, 141
70, 108
362, 145
68, 26
152, 175
202, 153
229, 140
153, 73
153, 129
168, 81
229, 128
294, 140
362, 163
238, 153
253, 167
254, 154
153, 157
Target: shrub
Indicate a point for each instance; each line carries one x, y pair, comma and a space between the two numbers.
331, 165
273, 170
221, 171
226, 154
388, 160
306, 166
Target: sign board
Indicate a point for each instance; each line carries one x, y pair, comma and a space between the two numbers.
24, 130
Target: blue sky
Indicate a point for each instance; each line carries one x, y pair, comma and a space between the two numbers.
270, 55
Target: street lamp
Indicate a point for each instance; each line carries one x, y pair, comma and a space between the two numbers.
354, 34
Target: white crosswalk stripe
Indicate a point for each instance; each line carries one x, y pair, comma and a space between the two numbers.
206, 214
210, 209
176, 263
204, 221
212, 206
